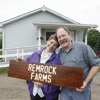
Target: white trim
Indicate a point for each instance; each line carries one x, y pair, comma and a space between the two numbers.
39, 40
4, 65
86, 38
3, 39
76, 37
56, 25
72, 33
22, 54
33, 46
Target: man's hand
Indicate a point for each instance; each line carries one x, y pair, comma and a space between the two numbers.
82, 88
90, 76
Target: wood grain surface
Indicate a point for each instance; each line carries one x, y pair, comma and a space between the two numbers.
67, 76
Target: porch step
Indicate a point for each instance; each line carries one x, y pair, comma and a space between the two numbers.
4, 64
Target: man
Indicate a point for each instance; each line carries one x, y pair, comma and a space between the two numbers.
77, 54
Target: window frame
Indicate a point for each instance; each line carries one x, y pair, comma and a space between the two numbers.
47, 33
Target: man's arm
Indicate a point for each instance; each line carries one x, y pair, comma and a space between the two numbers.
90, 76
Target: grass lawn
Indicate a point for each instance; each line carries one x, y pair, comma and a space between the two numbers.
3, 70
0, 52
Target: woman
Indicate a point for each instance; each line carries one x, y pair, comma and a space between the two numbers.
46, 55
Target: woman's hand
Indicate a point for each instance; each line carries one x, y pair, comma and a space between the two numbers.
18, 59
38, 84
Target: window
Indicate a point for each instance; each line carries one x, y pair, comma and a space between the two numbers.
48, 34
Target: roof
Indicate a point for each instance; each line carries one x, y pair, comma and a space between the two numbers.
70, 26
35, 11
42, 24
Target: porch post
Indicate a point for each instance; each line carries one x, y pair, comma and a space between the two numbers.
76, 37
39, 40
3, 52
86, 38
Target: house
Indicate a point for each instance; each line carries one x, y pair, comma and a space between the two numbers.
34, 28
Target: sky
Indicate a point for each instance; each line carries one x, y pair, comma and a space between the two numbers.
82, 11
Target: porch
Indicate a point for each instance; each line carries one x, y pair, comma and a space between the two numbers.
10, 53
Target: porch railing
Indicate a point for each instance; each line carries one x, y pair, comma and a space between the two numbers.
20, 51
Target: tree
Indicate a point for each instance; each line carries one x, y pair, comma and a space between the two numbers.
0, 39
94, 39
0, 43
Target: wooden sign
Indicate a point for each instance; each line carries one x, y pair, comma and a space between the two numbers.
66, 76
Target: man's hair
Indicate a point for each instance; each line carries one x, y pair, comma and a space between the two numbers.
54, 37
65, 28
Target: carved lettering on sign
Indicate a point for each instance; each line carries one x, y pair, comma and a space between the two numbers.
67, 76
41, 72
